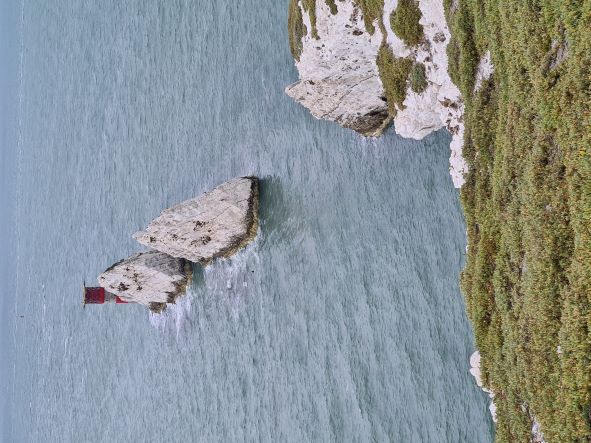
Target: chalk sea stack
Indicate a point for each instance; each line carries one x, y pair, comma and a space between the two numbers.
149, 278
216, 224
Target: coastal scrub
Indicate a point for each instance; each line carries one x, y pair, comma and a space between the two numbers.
372, 11
310, 7
333, 7
394, 72
404, 21
527, 203
418, 78
296, 29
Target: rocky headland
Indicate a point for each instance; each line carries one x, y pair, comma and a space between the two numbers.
339, 78
517, 110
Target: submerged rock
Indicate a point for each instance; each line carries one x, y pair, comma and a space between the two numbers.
339, 79
215, 224
149, 278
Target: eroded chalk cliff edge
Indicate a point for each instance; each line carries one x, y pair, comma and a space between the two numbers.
339, 78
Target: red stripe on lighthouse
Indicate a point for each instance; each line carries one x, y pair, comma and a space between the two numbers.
94, 295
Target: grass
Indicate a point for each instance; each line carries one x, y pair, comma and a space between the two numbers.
404, 21
310, 8
372, 11
295, 25
394, 72
527, 203
333, 6
296, 29
418, 78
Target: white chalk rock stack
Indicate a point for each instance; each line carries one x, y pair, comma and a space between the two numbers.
215, 224
339, 79
149, 278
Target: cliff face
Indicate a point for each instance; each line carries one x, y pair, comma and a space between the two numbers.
440, 104
149, 278
339, 79
475, 371
215, 224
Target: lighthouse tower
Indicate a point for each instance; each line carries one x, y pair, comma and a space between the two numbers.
98, 296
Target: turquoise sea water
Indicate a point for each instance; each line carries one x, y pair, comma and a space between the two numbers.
342, 322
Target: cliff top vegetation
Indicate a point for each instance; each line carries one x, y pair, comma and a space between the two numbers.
527, 201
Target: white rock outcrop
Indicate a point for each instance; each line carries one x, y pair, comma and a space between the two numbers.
440, 105
475, 371
339, 79
536, 433
149, 278
484, 72
215, 224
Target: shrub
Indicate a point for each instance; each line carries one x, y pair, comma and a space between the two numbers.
333, 7
405, 22
418, 78
394, 72
372, 11
296, 29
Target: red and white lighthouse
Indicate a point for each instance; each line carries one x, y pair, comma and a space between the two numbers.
98, 296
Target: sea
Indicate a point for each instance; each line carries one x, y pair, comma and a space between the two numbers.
342, 322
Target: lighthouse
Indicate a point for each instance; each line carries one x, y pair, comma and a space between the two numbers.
98, 296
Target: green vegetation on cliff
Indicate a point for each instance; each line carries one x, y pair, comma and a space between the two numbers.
404, 21
527, 201
296, 29
310, 8
418, 78
394, 72
372, 11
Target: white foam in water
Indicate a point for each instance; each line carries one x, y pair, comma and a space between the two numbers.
226, 279
175, 315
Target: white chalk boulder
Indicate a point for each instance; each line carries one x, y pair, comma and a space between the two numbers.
215, 224
150, 278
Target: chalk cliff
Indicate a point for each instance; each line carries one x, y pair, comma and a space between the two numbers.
475, 371
536, 432
215, 224
339, 78
148, 278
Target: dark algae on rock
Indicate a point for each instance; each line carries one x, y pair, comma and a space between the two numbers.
527, 202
